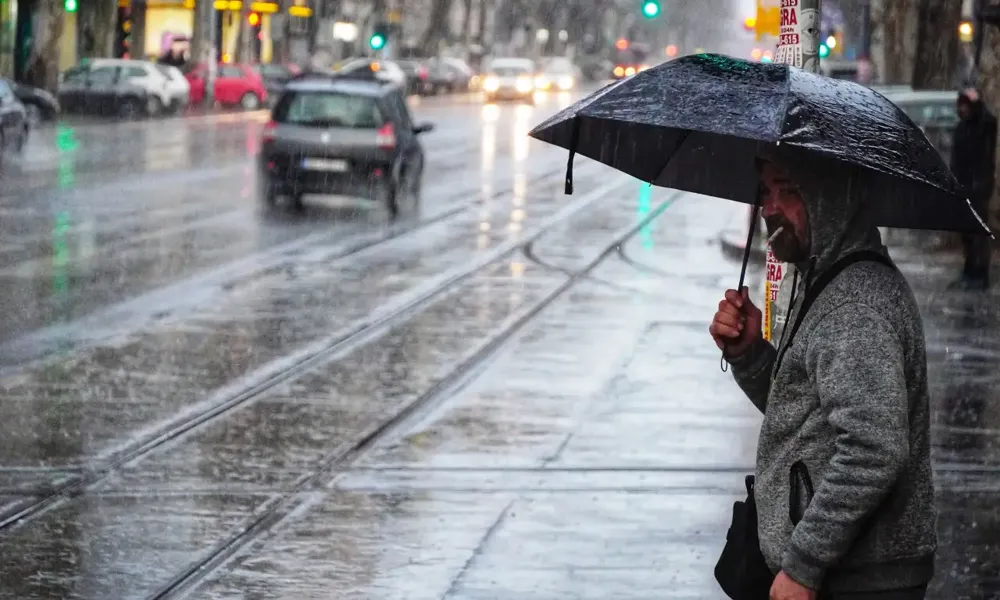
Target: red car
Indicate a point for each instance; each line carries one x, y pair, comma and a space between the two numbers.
235, 85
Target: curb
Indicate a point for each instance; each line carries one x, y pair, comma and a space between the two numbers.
733, 244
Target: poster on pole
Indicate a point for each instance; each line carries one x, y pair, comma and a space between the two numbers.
798, 45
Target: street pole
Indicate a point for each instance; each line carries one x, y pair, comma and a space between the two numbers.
138, 49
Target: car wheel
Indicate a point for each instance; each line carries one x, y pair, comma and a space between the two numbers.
22, 141
34, 114
154, 106
267, 192
249, 101
391, 199
416, 192
130, 109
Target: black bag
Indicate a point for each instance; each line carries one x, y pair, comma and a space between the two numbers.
742, 571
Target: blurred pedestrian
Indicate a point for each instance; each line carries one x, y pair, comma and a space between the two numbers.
973, 161
844, 397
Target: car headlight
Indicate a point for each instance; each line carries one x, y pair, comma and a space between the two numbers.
566, 83
524, 84
491, 84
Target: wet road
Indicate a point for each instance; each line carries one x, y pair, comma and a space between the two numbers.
513, 396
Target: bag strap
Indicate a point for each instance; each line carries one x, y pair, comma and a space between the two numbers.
813, 291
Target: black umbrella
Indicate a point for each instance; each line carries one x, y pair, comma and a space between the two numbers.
697, 123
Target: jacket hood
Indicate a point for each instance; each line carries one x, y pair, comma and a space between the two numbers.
835, 199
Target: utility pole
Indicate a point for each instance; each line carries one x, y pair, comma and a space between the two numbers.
203, 32
138, 48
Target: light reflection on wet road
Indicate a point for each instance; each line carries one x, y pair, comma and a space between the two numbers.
517, 399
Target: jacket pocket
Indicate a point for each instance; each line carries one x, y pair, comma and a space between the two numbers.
800, 491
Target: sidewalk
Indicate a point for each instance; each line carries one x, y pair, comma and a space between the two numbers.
599, 455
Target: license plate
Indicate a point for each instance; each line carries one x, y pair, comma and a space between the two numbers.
324, 164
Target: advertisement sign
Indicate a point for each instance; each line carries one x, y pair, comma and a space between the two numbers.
797, 45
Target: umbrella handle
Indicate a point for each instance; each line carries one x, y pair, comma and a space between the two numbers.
754, 217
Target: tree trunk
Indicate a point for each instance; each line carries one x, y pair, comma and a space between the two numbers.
43, 62
244, 42
203, 32
97, 21
895, 27
484, 6
437, 30
989, 87
934, 66
466, 22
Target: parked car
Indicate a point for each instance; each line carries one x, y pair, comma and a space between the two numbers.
39, 104
14, 126
342, 135
235, 85
417, 77
275, 77
449, 75
122, 87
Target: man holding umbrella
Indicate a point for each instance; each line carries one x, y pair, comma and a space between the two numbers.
844, 391
847, 401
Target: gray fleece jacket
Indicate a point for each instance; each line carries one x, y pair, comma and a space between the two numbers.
849, 398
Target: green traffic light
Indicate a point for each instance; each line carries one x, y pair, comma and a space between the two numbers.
376, 42
650, 9
824, 51
70, 5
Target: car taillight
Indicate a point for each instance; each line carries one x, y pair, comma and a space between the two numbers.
385, 137
269, 131
422, 73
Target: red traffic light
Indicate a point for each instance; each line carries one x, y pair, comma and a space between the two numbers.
622, 44
254, 19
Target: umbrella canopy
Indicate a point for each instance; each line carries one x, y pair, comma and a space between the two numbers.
697, 124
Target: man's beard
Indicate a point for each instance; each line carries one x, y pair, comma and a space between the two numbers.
787, 247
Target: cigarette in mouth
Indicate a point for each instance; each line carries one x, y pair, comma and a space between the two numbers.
776, 233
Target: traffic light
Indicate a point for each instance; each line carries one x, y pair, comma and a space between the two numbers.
824, 50
379, 37
123, 33
965, 31
70, 5
651, 9
253, 20
750, 23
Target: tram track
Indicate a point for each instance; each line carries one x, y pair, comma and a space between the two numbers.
294, 364
298, 498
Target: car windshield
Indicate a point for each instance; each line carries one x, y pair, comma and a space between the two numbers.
328, 109
169, 72
559, 65
510, 70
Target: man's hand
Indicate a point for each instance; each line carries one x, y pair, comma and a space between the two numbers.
786, 588
737, 323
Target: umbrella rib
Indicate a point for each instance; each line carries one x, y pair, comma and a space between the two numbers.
676, 151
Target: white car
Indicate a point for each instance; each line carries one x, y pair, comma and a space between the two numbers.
129, 88
178, 87
510, 79
385, 70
